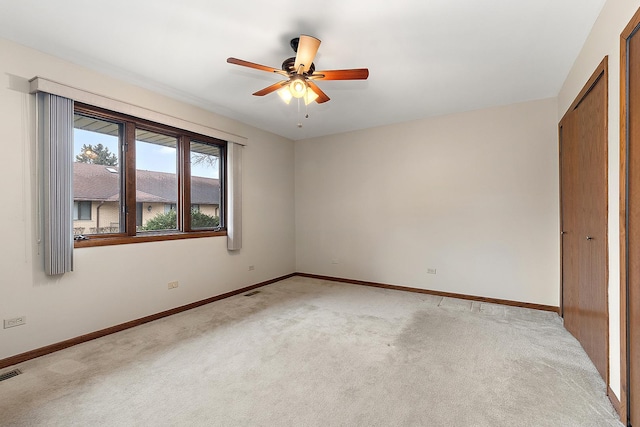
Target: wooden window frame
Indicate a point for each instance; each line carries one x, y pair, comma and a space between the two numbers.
127, 157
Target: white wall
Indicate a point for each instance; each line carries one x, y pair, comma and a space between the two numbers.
604, 40
115, 284
473, 195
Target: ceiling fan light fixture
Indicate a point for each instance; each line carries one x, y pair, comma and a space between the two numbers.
310, 96
285, 95
90, 154
298, 87
305, 52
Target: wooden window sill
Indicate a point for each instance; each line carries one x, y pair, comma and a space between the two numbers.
142, 238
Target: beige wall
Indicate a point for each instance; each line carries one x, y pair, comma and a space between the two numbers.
473, 195
211, 210
109, 214
133, 278
604, 40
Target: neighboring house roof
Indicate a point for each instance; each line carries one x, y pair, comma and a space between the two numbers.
94, 182
205, 191
101, 183
141, 196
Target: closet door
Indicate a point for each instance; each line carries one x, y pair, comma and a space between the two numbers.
571, 230
583, 163
630, 293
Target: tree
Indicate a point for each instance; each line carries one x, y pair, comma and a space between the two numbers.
97, 154
204, 159
162, 221
169, 221
200, 220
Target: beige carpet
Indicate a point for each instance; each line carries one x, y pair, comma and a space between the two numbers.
306, 352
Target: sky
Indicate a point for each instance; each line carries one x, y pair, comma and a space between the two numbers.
148, 156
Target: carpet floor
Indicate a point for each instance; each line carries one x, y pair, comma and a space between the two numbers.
307, 352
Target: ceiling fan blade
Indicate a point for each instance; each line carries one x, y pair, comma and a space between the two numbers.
352, 74
322, 97
307, 49
244, 63
267, 90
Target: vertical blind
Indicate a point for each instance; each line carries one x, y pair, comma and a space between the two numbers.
55, 131
234, 196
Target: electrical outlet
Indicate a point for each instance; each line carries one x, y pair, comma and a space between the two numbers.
252, 267
173, 285
431, 271
16, 321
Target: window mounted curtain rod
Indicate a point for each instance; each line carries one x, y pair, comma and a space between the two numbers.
41, 84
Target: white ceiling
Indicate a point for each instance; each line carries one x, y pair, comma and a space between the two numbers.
425, 57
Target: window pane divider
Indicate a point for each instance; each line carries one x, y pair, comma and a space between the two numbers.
129, 177
185, 182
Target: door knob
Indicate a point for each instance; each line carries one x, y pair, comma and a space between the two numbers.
589, 238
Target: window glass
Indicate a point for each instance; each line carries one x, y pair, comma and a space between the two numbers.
156, 180
96, 177
205, 185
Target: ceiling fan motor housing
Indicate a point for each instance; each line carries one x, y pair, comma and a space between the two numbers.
288, 65
294, 43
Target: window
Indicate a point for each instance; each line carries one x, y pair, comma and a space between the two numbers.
97, 145
81, 210
144, 181
205, 170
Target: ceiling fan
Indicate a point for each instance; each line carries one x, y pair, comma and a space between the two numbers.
300, 72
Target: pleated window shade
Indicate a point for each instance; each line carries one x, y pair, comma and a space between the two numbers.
234, 196
55, 131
